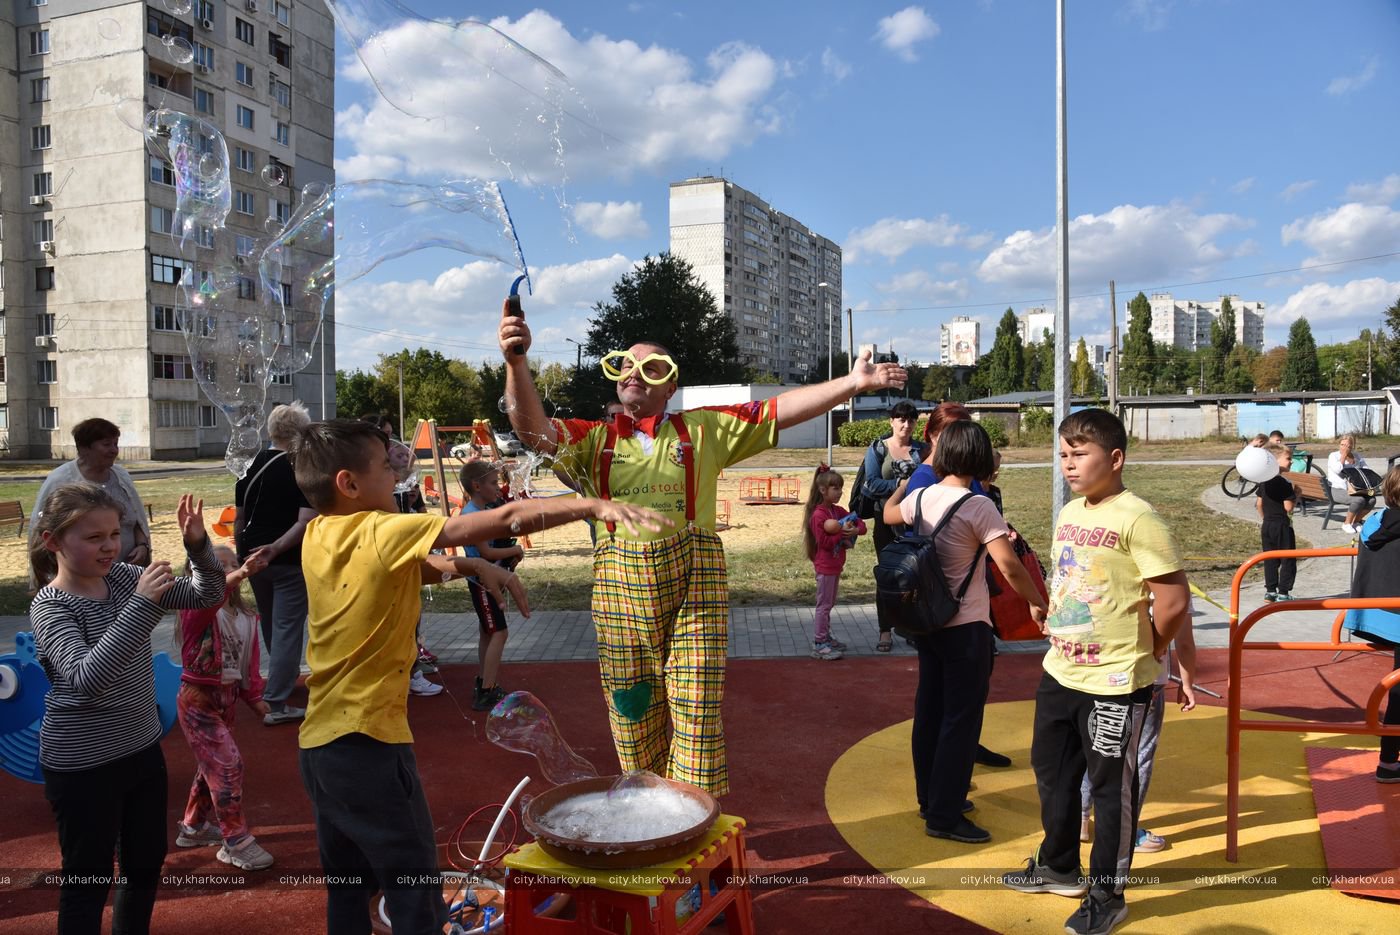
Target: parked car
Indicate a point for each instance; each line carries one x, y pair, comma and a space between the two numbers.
509, 445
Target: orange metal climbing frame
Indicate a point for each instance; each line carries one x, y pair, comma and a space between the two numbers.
769, 489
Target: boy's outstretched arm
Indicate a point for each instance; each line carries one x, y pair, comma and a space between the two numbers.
498, 581
1186, 666
526, 516
1171, 598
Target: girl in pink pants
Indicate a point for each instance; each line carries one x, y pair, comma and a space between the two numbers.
828, 530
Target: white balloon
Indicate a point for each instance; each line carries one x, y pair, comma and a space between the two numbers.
1256, 465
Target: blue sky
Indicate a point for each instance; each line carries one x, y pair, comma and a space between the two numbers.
1210, 142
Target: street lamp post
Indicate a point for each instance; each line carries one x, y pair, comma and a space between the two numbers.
578, 362
826, 313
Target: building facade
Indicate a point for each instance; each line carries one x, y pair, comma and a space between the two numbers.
776, 278
91, 325
1186, 322
1032, 324
959, 342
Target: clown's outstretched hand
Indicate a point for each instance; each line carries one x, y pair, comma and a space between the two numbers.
870, 376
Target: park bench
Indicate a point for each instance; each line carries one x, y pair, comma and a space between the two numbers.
12, 514
1313, 488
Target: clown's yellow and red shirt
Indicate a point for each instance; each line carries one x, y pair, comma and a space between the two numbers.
647, 469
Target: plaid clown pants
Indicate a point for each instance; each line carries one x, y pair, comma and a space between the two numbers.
661, 610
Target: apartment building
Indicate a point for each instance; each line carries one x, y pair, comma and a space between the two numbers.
89, 294
959, 342
1186, 322
776, 278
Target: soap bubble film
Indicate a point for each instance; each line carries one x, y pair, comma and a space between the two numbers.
521, 723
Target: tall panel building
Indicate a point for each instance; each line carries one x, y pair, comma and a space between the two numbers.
766, 270
90, 271
1186, 322
959, 342
1032, 324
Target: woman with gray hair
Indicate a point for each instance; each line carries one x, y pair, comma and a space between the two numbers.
96, 440
271, 518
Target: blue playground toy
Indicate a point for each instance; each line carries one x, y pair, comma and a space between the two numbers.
23, 688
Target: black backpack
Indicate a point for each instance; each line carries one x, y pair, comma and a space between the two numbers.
910, 589
860, 504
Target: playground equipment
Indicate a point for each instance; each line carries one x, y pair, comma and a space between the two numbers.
721, 515
1239, 629
769, 490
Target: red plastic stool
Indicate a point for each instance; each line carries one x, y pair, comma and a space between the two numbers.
678, 898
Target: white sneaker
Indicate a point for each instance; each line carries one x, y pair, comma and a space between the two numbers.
1349, 529
419, 685
247, 856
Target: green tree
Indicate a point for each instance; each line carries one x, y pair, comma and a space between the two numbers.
432, 389
1388, 348
938, 383
662, 300
1239, 370
1268, 369
1083, 380
840, 366
1138, 369
1004, 367
357, 393
1300, 371
1222, 342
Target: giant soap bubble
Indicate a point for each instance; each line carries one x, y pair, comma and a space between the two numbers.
1256, 465
520, 722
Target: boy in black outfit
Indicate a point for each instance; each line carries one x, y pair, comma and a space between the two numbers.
1275, 502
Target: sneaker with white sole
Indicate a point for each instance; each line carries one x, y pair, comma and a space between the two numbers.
246, 856
283, 715
1388, 772
1098, 914
836, 644
1349, 529
1036, 878
419, 685
1149, 843
206, 835
825, 653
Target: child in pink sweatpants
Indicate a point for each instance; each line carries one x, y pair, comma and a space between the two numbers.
219, 648
828, 531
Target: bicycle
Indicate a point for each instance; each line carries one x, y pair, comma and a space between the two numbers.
1238, 488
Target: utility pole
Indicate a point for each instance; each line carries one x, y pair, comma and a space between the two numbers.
401, 426
1369, 384
1112, 350
830, 352
850, 362
1059, 489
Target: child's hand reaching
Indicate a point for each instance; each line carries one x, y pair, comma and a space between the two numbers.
497, 581
190, 515
1186, 694
155, 581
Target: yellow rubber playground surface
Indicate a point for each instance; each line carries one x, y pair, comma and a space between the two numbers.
1278, 885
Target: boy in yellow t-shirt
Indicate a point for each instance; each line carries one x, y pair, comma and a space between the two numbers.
1114, 559
365, 563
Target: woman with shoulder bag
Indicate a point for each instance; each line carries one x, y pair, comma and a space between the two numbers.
888, 461
1340, 463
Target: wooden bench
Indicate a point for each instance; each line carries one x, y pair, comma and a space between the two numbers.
12, 513
1313, 488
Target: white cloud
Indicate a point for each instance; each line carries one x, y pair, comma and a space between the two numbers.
1349, 232
901, 31
918, 284
1375, 193
1242, 186
456, 312
891, 238
1345, 84
1151, 14
612, 220
1128, 243
1360, 301
1296, 189
833, 65
498, 112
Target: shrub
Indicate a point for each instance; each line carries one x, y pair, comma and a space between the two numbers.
996, 431
861, 433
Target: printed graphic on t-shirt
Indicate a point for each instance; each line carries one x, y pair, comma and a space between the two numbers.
1072, 590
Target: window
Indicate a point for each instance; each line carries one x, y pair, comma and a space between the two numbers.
39, 42
245, 159
43, 278
203, 55
206, 144
242, 31
204, 236
171, 367
204, 100
161, 172
281, 91
281, 210
167, 269
282, 12
165, 318
38, 2
282, 134
245, 117
43, 230
286, 295
162, 220
245, 373
158, 79
282, 379
204, 9
40, 137
47, 322
48, 418
43, 183
243, 245
247, 289
47, 371
281, 52
208, 417
208, 372
161, 24
245, 202
174, 415
243, 73
38, 89
2, 372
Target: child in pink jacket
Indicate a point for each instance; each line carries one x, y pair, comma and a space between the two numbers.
828, 530
219, 649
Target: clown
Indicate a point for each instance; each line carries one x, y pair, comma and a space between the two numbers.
661, 601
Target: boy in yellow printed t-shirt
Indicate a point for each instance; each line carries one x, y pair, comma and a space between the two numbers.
365, 563
1117, 599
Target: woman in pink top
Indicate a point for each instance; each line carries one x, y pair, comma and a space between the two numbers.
828, 530
955, 661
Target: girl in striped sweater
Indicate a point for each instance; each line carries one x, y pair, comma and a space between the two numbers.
99, 745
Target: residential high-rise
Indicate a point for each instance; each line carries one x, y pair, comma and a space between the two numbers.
1186, 322
959, 342
1033, 323
766, 270
90, 270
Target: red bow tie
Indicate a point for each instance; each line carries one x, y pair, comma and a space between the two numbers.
648, 425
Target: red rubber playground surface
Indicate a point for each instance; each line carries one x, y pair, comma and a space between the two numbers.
788, 721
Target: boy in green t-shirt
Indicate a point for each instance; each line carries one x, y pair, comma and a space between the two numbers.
1117, 599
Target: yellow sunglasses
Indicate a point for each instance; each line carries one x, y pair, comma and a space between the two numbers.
618, 370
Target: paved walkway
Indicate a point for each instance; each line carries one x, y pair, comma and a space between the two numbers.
777, 632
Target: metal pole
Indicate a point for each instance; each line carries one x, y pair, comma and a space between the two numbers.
826, 313
323, 372
401, 426
1059, 490
1113, 349
850, 362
